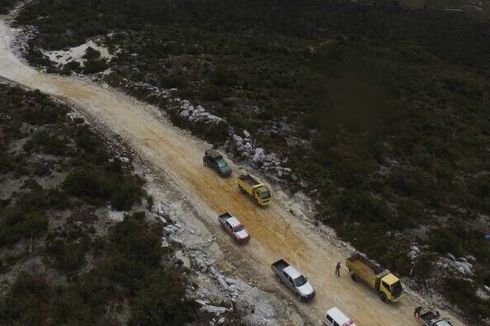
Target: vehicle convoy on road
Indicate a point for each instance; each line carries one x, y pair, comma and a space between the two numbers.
335, 317
254, 188
387, 285
233, 226
432, 318
215, 161
293, 279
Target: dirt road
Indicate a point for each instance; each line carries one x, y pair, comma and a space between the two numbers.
276, 233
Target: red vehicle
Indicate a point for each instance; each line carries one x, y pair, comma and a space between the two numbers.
233, 226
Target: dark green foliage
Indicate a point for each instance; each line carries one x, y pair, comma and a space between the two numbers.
6, 5
462, 293
68, 254
460, 240
444, 241
162, 289
363, 206
130, 268
27, 302
26, 218
44, 142
91, 54
393, 101
222, 77
122, 266
94, 66
99, 184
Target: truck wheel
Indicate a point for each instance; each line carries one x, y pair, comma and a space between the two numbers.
300, 298
354, 277
382, 296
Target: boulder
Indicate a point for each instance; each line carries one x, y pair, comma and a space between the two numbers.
237, 139
222, 282
463, 268
482, 294
246, 134
184, 113
214, 309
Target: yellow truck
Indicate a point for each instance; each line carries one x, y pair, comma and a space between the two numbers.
387, 285
254, 188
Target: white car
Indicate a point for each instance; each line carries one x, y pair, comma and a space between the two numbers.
335, 317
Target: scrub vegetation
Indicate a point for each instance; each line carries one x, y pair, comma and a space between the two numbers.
393, 104
63, 261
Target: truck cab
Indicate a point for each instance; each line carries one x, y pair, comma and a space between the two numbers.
391, 287
215, 161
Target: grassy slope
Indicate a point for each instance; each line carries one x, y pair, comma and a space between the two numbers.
368, 86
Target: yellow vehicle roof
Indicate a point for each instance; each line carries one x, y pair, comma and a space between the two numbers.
390, 279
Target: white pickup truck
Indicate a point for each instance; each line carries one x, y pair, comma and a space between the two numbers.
293, 279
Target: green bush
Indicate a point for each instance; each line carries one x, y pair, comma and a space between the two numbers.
222, 76
91, 54
444, 241
47, 143
362, 206
98, 185
68, 255
462, 294
95, 66
25, 219
162, 301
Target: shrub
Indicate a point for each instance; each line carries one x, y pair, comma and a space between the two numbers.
222, 76
91, 54
47, 143
95, 66
25, 220
162, 301
98, 185
68, 255
444, 241
362, 206
26, 302
462, 294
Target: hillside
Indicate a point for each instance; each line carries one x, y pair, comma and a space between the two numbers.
63, 258
381, 111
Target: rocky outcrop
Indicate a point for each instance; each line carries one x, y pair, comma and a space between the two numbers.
245, 148
459, 265
197, 114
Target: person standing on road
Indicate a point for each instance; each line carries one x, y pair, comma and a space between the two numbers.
416, 312
337, 269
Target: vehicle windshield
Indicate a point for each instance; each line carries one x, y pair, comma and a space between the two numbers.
263, 193
396, 289
221, 163
238, 228
300, 281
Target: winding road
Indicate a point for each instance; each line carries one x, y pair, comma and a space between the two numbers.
275, 232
